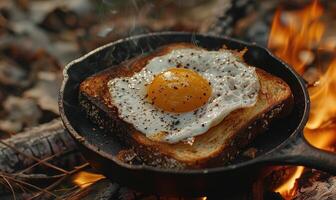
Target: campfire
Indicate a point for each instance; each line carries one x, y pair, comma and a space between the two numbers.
44, 162
297, 37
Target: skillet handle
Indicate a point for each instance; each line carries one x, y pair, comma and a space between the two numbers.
299, 152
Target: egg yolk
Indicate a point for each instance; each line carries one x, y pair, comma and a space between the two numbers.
179, 90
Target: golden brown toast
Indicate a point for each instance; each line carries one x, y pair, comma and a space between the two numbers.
217, 146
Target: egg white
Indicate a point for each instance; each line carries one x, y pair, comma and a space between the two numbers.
234, 85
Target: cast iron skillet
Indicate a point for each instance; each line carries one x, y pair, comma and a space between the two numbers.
282, 144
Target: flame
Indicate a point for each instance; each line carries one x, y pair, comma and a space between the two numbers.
323, 99
84, 179
323, 138
287, 190
295, 36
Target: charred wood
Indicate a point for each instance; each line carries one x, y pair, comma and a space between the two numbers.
315, 184
49, 140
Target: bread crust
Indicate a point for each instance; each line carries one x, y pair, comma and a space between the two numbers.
211, 148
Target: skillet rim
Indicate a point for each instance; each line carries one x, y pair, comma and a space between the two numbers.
257, 160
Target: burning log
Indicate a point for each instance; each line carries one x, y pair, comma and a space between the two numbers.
318, 190
315, 185
48, 141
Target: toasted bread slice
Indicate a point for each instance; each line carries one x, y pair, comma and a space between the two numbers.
218, 145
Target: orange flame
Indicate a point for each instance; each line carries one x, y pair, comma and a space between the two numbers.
84, 179
323, 138
287, 190
323, 99
295, 36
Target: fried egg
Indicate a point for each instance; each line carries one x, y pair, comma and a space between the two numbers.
184, 93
